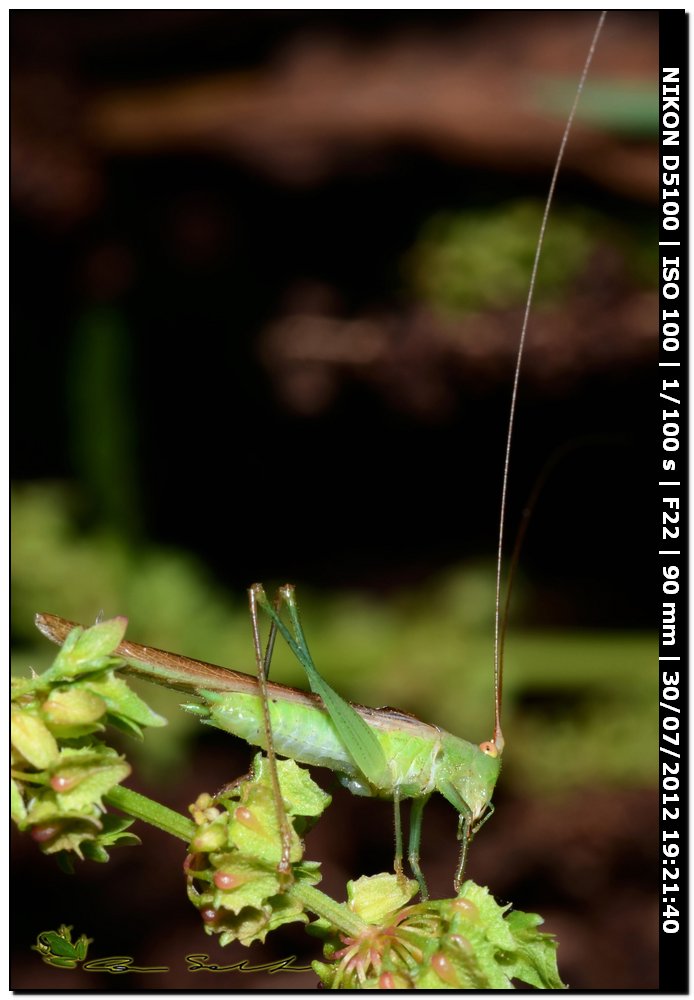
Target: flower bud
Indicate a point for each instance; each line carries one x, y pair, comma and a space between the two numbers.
394, 981
209, 838
43, 832
228, 881
462, 944
73, 707
33, 740
247, 819
444, 969
466, 908
203, 809
66, 782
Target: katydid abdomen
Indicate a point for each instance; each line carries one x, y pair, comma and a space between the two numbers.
305, 732
421, 759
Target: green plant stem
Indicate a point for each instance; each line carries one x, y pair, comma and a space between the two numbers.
336, 913
38, 778
149, 811
141, 807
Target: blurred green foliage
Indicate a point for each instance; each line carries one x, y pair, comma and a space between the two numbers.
103, 421
479, 259
627, 107
580, 708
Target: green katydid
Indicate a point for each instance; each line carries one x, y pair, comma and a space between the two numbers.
375, 752
378, 752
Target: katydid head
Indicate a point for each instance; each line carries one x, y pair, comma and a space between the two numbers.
467, 774
493, 748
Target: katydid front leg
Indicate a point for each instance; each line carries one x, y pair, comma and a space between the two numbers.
264, 673
465, 828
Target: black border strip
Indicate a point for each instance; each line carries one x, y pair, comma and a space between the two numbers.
673, 480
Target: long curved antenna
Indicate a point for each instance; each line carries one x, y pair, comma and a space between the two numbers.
498, 738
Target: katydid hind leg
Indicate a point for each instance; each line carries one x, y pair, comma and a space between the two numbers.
270, 645
267, 658
262, 661
357, 737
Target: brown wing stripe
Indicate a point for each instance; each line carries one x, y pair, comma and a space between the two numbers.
186, 674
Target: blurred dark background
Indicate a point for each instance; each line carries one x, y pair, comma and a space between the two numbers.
268, 279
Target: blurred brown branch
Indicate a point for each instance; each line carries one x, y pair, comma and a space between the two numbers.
418, 359
445, 93
321, 99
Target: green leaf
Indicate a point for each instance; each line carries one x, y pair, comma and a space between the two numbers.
63, 733
301, 795
71, 834
99, 640
93, 777
65, 862
121, 701
86, 651
93, 851
126, 726
254, 924
46, 810
113, 826
253, 883
254, 828
536, 958
17, 808
491, 915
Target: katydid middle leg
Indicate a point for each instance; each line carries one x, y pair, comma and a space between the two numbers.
397, 825
416, 815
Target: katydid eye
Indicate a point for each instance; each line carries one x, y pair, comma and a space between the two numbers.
489, 748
